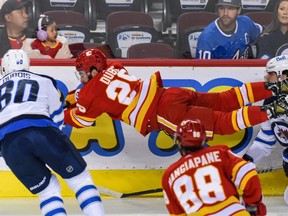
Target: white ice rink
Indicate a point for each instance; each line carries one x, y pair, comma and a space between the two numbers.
118, 207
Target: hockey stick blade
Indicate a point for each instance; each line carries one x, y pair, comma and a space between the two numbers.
124, 195
269, 169
117, 194
108, 192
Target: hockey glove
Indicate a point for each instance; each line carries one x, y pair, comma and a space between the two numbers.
71, 98
248, 158
256, 209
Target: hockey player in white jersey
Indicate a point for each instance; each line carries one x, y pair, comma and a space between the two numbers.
31, 141
272, 130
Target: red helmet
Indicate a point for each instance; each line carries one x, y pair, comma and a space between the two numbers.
91, 58
190, 133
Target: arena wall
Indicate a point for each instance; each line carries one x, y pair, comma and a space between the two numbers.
119, 158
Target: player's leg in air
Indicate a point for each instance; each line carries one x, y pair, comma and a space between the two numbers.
225, 112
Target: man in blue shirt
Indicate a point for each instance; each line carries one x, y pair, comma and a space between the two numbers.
229, 36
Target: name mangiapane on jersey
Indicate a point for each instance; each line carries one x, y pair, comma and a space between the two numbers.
20, 74
195, 162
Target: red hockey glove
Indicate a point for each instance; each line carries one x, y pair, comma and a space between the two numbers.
256, 209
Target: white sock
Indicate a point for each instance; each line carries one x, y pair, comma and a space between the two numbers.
87, 194
51, 202
90, 201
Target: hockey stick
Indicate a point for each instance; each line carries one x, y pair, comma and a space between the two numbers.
269, 169
117, 194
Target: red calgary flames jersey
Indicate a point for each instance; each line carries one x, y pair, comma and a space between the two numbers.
120, 95
46, 50
206, 182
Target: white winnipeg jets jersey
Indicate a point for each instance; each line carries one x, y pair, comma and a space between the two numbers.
270, 132
28, 100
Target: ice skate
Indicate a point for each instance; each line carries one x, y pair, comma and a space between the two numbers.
279, 87
277, 108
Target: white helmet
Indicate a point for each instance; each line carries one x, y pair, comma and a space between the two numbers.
14, 60
277, 64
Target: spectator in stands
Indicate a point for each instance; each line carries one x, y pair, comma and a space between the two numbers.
274, 39
48, 42
205, 180
229, 36
15, 17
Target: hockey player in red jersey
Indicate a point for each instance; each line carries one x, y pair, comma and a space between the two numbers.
147, 106
205, 180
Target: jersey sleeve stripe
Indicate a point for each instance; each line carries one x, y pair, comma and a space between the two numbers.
166, 123
152, 89
246, 178
137, 113
239, 96
234, 121
144, 95
236, 168
80, 121
129, 109
227, 207
250, 95
246, 117
246, 168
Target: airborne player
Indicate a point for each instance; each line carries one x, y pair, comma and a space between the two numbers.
147, 106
